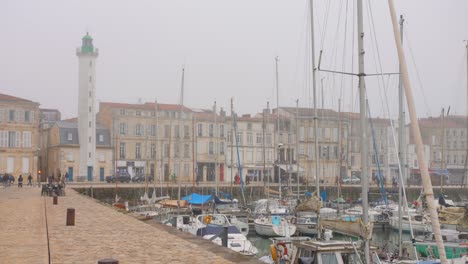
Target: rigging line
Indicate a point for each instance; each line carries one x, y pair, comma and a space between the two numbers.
395, 148
295, 81
353, 35
420, 86
325, 24
335, 56
377, 59
344, 51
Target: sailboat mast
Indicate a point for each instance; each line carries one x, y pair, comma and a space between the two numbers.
179, 177
278, 124
264, 151
426, 180
297, 147
216, 149
314, 88
401, 150
466, 132
232, 141
363, 117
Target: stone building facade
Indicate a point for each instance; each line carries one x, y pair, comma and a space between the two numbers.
151, 139
19, 136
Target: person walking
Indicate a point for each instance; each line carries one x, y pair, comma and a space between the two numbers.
29, 180
20, 181
5, 180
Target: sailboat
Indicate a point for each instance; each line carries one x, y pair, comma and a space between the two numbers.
274, 223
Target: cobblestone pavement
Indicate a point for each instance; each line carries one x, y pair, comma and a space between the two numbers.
23, 235
99, 232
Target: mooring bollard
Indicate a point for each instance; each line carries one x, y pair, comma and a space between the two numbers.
224, 237
55, 199
70, 216
108, 261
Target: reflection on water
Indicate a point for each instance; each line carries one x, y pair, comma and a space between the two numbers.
387, 238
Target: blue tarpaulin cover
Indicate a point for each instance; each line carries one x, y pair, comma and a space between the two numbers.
196, 198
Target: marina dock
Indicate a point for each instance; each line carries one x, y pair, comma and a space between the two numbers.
34, 230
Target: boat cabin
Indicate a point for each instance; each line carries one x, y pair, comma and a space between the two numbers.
327, 252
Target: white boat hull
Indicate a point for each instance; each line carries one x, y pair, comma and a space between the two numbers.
405, 226
265, 227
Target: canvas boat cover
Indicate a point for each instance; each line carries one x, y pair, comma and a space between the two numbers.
196, 198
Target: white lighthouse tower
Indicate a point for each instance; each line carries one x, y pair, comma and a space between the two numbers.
87, 55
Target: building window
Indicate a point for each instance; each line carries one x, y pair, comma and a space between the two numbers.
139, 130
89, 124
177, 150
239, 138
211, 148
186, 132
123, 128
268, 139
186, 170
122, 112
221, 131
90, 109
200, 130
90, 64
90, 78
11, 116
89, 154
153, 151
138, 150
101, 138
259, 139
89, 139
69, 136
90, 93
27, 116
122, 150
249, 139
3, 139
249, 126
229, 137
211, 128
166, 150
167, 131
26, 139
153, 130
176, 131
13, 141
138, 113
186, 150
221, 148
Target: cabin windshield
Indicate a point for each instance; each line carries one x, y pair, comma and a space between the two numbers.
349, 258
329, 258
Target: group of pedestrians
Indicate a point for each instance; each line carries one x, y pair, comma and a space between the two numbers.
8, 180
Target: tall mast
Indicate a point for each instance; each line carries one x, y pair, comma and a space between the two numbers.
362, 106
232, 140
215, 149
466, 132
339, 152
426, 180
297, 147
179, 177
314, 88
268, 113
278, 124
442, 139
401, 149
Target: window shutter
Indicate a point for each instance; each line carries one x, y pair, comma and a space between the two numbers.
18, 139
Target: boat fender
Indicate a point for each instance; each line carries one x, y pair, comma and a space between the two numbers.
293, 220
273, 252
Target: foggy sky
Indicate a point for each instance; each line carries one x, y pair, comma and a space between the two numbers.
228, 50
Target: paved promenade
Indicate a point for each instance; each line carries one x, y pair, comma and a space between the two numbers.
99, 232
